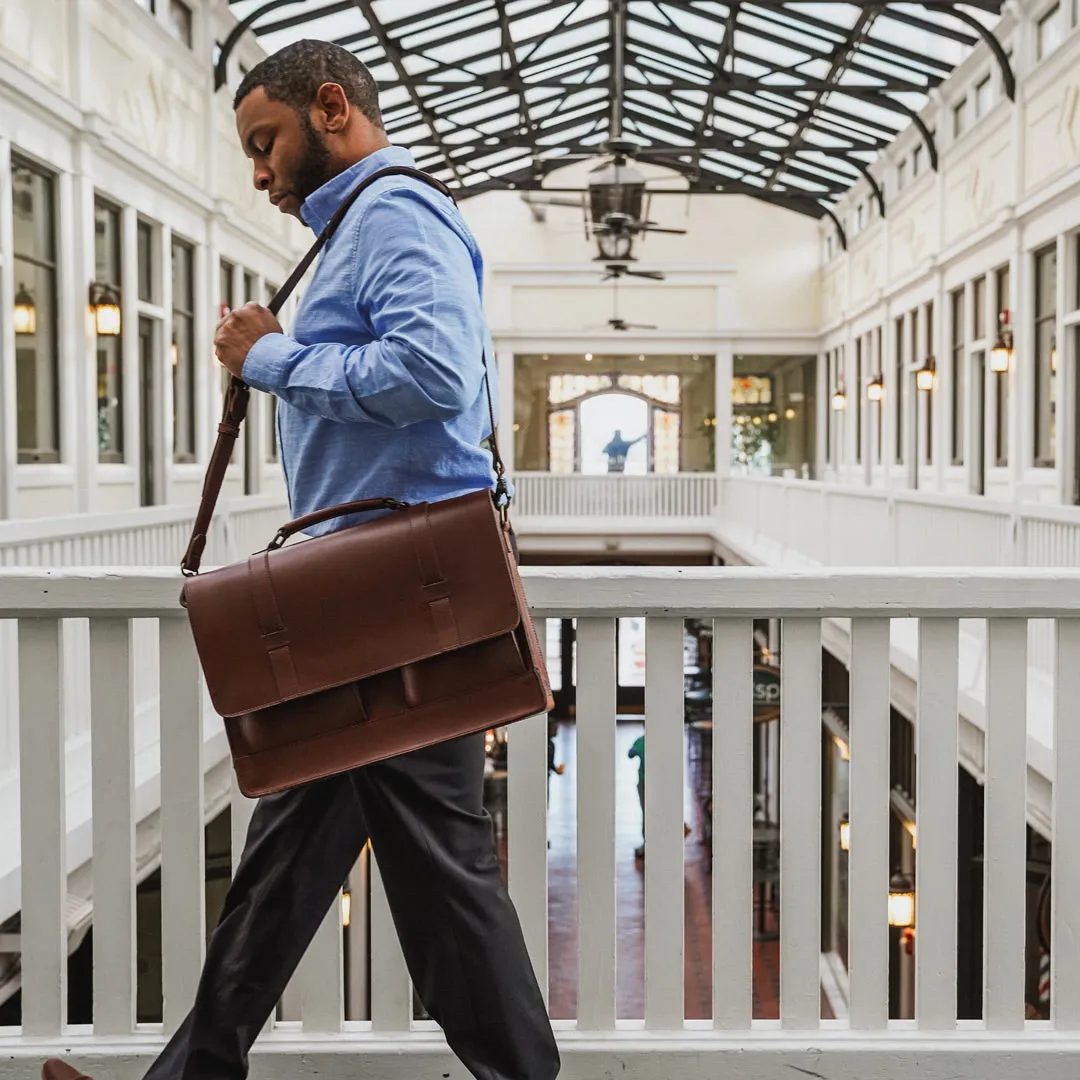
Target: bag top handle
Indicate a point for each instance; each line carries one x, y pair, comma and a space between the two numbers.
239, 393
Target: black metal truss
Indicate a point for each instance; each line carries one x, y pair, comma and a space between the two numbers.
762, 97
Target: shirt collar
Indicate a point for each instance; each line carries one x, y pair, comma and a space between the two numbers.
320, 205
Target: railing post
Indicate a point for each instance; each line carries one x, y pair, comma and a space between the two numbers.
42, 791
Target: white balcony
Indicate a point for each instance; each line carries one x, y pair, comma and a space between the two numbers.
130, 806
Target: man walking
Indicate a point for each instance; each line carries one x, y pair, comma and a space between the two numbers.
380, 393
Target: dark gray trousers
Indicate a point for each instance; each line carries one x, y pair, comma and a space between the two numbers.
459, 931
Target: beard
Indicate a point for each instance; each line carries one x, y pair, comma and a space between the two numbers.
316, 165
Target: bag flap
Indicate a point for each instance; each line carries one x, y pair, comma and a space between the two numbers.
353, 603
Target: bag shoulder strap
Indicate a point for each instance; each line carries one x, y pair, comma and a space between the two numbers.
238, 394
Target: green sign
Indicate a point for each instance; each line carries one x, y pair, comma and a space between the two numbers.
766, 693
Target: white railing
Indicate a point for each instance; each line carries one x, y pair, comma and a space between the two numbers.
661, 1045
571, 495
839, 525
148, 536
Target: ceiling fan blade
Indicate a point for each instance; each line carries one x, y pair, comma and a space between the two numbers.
638, 326
656, 228
652, 275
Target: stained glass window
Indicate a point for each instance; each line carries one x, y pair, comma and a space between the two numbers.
561, 456
751, 390
665, 388
666, 425
562, 388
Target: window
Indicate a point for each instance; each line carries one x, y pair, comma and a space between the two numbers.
978, 310
901, 175
857, 398
1001, 419
147, 278
960, 117
272, 449
1048, 36
983, 97
898, 393
226, 301
37, 372
110, 363
249, 287
1045, 354
958, 383
879, 411
179, 21
183, 351
930, 394
916, 160
860, 216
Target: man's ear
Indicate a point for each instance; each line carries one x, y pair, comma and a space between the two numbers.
333, 107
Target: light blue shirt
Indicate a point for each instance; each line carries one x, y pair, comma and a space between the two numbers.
380, 386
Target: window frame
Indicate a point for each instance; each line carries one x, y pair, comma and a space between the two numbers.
184, 316
112, 343
52, 455
1044, 321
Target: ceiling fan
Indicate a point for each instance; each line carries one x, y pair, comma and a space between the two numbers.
616, 322
618, 270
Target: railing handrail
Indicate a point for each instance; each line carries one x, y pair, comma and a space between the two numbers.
982, 504
958, 592
31, 530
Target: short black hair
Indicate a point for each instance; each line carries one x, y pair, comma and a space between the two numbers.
295, 73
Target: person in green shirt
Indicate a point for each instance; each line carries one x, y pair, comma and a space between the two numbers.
637, 750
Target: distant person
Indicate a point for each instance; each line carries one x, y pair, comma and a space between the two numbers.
617, 450
638, 751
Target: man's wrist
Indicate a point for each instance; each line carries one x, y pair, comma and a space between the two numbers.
267, 361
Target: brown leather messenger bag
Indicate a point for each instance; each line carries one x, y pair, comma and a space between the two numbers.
371, 640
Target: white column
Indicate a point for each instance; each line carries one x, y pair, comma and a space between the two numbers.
8, 445
504, 364
724, 372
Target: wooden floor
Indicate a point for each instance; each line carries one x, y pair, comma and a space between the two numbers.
630, 964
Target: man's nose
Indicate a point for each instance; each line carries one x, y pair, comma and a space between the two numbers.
262, 178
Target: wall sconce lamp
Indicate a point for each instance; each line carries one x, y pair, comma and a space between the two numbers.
924, 377
1053, 357
845, 834
1002, 352
789, 413
875, 388
105, 307
25, 319
346, 908
901, 900
839, 399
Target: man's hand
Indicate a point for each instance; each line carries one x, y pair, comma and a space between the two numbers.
239, 331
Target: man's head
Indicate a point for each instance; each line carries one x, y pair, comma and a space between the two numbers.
304, 115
